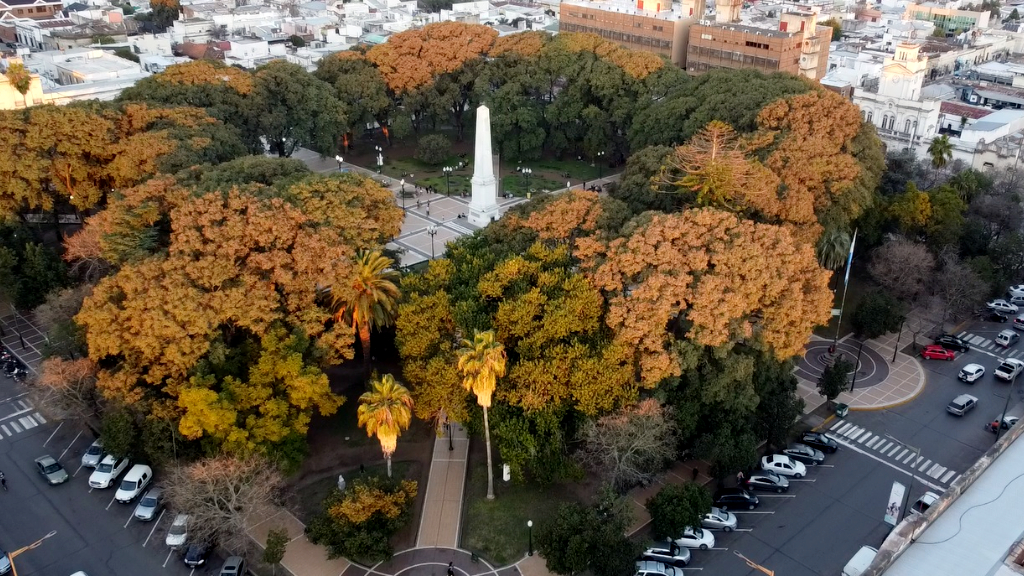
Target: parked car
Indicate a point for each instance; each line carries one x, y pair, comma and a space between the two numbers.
735, 499
767, 480
971, 373
5, 563
1007, 423
718, 519
135, 481
150, 503
860, 561
651, 568
51, 470
235, 566
923, 503
784, 465
1017, 300
1007, 338
821, 441
696, 538
197, 553
108, 471
177, 534
805, 454
1009, 369
962, 404
1016, 290
1018, 322
993, 316
1001, 306
950, 342
667, 553
936, 352
93, 454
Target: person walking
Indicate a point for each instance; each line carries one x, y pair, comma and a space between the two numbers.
740, 477
3, 481
451, 569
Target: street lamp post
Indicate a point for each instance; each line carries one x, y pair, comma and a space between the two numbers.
599, 167
380, 159
856, 365
432, 230
898, 334
12, 555
448, 425
403, 193
448, 178
526, 174
917, 457
529, 529
340, 161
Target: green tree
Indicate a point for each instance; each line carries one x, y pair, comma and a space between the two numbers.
293, 108
482, 361
778, 405
877, 314
296, 41
119, 431
384, 412
677, 507
832, 248
941, 151
581, 538
835, 379
370, 302
434, 149
837, 28
277, 543
19, 77
359, 522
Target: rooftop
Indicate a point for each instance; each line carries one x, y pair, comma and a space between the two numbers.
965, 110
756, 30
673, 10
995, 121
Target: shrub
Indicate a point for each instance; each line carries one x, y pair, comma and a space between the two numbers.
434, 149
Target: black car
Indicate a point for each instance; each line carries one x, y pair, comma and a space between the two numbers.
735, 499
197, 554
993, 316
950, 342
804, 453
820, 441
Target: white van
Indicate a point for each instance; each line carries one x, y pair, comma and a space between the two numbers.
860, 561
1007, 338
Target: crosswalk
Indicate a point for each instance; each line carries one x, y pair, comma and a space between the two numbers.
17, 416
898, 453
982, 343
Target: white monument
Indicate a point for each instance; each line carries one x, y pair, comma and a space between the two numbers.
483, 207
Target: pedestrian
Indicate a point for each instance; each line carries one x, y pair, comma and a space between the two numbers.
739, 477
696, 473
3, 481
451, 569
362, 469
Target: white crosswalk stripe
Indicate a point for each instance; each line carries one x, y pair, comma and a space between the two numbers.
873, 441
851, 433
844, 426
936, 471
883, 446
863, 437
961, 335
946, 477
897, 449
910, 457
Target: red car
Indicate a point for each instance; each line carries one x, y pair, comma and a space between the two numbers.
936, 352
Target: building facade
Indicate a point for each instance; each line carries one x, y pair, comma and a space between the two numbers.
950, 20
35, 9
657, 26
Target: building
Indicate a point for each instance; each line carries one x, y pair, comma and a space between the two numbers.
657, 26
797, 45
951, 20
34, 9
11, 99
903, 116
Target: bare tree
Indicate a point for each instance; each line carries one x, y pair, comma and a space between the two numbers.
66, 390
959, 287
221, 495
630, 446
902, 267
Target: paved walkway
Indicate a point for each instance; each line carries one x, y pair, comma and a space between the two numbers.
19, 334
441, 520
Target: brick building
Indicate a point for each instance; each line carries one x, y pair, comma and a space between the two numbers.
35, 9
658, 26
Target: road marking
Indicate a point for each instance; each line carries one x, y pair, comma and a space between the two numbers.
802, 480
70, 445
21, 404
975, 340
130, 516
12, 398
776, 496
961, 335
51, 435
850, 432
910, 457
6, 431
897, 449
153, 529
891, 465
689, 568
750, 512
742, 529
825, 466
110, 503
865, 437
922, 467
28, 422
80, 466
15, 426
40, 418
936, 471
708, 549
957, 478
873, 441
16, 414
168, 557
883, 445
947, 476
845, 425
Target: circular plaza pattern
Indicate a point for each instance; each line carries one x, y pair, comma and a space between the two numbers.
872, 369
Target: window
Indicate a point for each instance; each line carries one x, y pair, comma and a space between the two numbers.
869, 115
638, 25
659, 28
906, 127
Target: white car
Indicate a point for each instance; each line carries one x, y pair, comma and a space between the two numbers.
1016, 290
696, 538
783, 465
93, 454
108, 471
1001, 306
177, 535
134, 482
1010, 368
923, 503
971, 373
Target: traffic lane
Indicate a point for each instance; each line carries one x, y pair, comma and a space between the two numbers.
819, 529
88, 533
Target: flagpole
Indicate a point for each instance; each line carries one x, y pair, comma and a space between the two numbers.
846, 286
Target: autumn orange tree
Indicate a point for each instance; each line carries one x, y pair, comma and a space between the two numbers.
411, 59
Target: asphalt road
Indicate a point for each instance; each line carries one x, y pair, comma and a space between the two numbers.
93, 533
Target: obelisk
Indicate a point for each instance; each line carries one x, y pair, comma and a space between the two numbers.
483, 206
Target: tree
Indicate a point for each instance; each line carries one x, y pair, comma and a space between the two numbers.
295, 109
482, 361
878, 313
65, 338
778, 405
66, 390
296, 41
912, 211
837, 29
412, 59
960, 287
221, 496
631, 445
19, 77
434, 149
835, 379
359, 522
119, 431
384, 411
833, 248
636, 187
941, 151
28, 271
582, 538
165, 12
370, 301
277, 543
677, 507
902, 267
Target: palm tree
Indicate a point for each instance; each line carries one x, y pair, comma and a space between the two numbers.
385, 411
372, 301
941, 150
482, 362
832, 248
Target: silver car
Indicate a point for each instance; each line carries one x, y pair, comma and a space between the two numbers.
51, 470
719, 519
93, 455
150, 503
667, 553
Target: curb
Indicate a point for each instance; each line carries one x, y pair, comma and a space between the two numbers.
819, 427
917, 392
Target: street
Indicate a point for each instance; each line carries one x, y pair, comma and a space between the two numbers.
93, 533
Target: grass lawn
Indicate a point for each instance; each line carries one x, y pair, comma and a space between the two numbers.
859, 286
496, 529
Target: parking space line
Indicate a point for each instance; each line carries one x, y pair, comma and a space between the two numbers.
51, 435
77, 470
153, 529
708, 549
945, 478
825, 466
130, 516
168, 559
72, 443
802, 480
776, 496
110, 503
895, 450
742, 529
751, 512
689, 568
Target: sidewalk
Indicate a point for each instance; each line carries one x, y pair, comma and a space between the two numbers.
441, 520
19, 334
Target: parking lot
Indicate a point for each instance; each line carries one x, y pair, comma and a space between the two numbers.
93, 533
